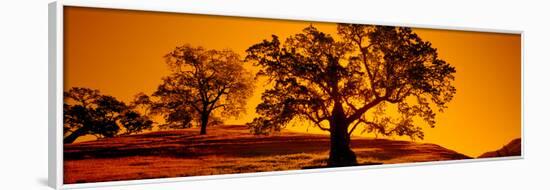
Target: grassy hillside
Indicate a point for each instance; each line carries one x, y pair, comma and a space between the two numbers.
513, 148
225, 150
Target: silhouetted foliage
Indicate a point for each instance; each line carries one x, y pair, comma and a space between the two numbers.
202, 83
87, 112
336, 84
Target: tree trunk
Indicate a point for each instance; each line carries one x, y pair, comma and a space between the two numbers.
204, 122
74, 135
340, 151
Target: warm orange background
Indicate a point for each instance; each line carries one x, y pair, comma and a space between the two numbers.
120, 53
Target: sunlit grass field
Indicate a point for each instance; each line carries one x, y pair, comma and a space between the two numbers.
225, 150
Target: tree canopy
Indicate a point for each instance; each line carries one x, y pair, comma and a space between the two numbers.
88, 112
203, 86
334, 82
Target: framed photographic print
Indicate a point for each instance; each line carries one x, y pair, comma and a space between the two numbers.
139, 95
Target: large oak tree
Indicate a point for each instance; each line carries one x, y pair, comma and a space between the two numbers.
203, 86
344, 83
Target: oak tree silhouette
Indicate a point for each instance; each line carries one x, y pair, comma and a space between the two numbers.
203, 83
87, 111
336, 83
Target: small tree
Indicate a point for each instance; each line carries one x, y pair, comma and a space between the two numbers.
203, 82
86, 111
333, 84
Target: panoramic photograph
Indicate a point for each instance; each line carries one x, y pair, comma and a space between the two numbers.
151, 95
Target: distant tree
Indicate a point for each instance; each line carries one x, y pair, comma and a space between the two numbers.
86, 111
202, 82
176, 117
334, 84
143, 103
137, 117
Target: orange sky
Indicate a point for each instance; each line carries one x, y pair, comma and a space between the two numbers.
120, 53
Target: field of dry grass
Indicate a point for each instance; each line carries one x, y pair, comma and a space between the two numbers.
225, 150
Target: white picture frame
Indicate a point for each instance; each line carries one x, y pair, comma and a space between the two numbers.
55, 90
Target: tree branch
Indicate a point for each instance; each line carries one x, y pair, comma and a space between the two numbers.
354, 126
317, 121
357, 114
218, 96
